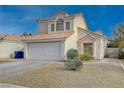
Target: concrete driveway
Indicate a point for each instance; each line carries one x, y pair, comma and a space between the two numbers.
19, 66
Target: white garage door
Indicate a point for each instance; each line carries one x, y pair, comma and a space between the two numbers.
48, 51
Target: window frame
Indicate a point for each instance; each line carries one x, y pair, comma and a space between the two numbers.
52, 27
60, 25
67, 26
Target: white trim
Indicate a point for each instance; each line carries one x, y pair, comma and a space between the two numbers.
44, 40
11, 41
88, 36
62, 48
26, 51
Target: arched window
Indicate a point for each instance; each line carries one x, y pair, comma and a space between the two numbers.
59, 25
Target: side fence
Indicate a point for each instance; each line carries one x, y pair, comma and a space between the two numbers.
112, 52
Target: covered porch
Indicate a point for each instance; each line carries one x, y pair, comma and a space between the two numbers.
89, 45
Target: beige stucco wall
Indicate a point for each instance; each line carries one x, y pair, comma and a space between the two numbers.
42, 27
65, 20
99, 48
79, 22
26, 51
71, 42
82, 33
9, 47
99, 44
75, 22
102, 48
71, 20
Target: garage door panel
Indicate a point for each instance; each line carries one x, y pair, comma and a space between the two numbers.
51, 50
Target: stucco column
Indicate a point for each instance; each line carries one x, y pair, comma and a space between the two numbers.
94, 49
25, 51
79, 47
82, 48
62, 49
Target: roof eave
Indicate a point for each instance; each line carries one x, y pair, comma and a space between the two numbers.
44, 40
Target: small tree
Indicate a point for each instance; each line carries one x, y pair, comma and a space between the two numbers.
121, 44
121, 52
72, 54
118, 36
118, 33
30, 34
113, 44
26, 34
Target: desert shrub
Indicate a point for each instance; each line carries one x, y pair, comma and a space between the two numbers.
81, 57
121, 55
72, 54
87, 57
73, 65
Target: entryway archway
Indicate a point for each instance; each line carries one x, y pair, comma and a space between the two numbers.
88, 49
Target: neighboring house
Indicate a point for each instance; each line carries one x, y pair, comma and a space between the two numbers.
60, 33
8, 45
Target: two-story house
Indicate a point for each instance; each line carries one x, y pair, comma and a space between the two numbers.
62, 32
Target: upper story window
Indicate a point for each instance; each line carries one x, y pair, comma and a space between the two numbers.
59, 25
52, 27
67, 25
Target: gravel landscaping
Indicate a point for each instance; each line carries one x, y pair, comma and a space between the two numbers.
55, 76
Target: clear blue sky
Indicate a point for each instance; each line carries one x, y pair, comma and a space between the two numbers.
18, 19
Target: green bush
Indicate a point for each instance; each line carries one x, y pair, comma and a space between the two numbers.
121, 55
73, 65
72, 54
87, 57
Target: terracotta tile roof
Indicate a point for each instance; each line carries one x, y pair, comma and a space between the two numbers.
60, 35
53, 18
98, 32
13, 38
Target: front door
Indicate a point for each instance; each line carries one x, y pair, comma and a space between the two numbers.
88, 49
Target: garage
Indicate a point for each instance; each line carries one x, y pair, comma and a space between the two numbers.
45, 50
